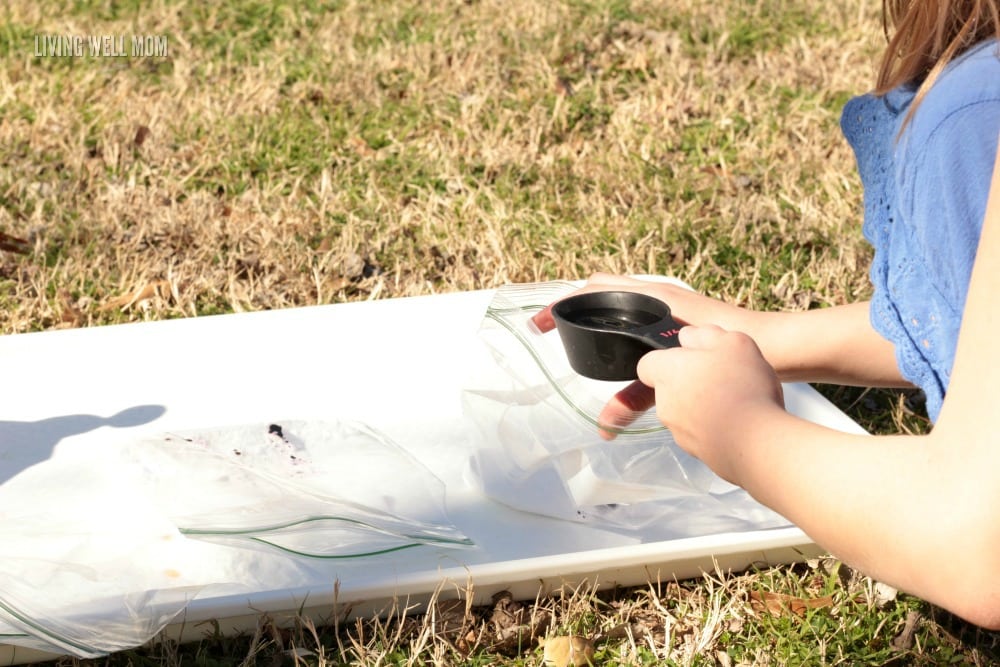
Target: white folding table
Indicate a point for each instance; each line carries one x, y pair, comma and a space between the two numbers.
395, 364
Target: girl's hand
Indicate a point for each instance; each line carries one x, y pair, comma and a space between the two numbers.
686, 306
834, 345
708, 390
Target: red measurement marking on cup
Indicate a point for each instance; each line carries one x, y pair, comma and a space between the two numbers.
670, 334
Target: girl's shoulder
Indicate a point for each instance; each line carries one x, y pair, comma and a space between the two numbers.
965, 87
958, 120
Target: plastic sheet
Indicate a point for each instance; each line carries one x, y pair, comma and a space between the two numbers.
127, 534
542, 452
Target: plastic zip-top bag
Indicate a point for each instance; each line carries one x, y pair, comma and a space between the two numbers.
542, 452
314, 489
128, 533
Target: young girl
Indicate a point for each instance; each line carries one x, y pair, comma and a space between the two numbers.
919, 512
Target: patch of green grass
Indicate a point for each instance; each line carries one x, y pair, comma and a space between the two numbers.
752, 27
246, 32
16, 39
387, 22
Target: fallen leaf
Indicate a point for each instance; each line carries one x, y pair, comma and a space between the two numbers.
70, 316
513, 626
451, 617
904, 640
141, 134
352, 266
361, 147
779, 604
568, 651
158, 288
13, 244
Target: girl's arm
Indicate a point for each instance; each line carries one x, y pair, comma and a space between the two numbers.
919, 512
836, 345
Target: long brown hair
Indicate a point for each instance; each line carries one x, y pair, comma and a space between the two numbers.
925, 35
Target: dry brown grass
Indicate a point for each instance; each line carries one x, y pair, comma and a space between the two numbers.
816, 612
317, 152
464, 154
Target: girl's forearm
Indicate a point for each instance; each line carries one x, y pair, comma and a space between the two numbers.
836, 345
895, 507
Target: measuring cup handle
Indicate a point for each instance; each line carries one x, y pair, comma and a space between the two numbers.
662, 335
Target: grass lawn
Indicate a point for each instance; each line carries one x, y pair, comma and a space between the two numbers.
279, 154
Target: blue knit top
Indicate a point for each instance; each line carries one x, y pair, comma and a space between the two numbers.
925, 197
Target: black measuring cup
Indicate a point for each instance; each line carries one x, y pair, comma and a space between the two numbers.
606, 333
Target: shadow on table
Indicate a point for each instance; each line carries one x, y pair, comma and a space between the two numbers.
23, 444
